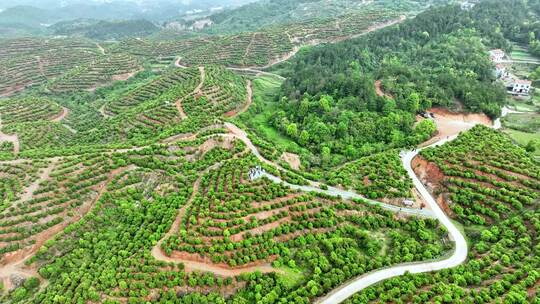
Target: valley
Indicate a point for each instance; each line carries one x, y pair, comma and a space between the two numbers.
313, 152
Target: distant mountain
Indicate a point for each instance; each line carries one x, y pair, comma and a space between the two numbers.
27, 15
154, 10
32, 17
253, 16
105, 30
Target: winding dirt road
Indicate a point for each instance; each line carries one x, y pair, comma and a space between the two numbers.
249, 101
197, 90
61, 115
101, 49
14, 139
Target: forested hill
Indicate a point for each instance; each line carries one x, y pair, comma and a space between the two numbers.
410, 54
329, 102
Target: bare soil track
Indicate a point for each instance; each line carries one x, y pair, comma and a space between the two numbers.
196, 91
13, 138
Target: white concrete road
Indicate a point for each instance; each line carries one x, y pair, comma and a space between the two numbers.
458, 256
351, 195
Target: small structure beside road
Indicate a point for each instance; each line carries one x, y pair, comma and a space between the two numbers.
255, 173
496, 55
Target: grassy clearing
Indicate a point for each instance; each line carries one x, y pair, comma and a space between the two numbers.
264, 106
531, 105
523, 106
529, 122
290, 277
521, 53
523, 138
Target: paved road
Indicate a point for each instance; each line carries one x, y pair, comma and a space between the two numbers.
351, 195
521, 61
458, 256
315, 186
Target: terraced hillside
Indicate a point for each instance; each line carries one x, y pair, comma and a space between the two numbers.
263, 47
221, 93
492, 187
97, 73
139, 114
18, 110
181, 100
152, 90
224, 223
31, 122
29, 61
67, 64
62, 192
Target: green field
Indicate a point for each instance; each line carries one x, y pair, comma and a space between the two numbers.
264, 106
521, 53
523, 138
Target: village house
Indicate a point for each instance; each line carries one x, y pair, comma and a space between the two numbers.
496, 55
500, 71
408, 202
520, 87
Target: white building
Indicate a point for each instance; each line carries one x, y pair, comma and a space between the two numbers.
408, 202
496, 55
520, 87
500, 71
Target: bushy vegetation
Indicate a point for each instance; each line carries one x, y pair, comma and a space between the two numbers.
375, 176
105, 30
492, 187
329, 102
137, 194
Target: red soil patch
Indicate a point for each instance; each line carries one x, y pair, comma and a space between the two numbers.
427, 171
292, 159
60, 116
452, 123
431, 176
366, 181
379, 91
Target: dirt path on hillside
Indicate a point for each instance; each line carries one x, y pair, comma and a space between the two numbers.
197, 90
103, 112
249, 101
379, 91
191, 264
29, 191
14, 139
248, 48
124, 76
60, 116
178, 64
12, 263
101, 49
40, 66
